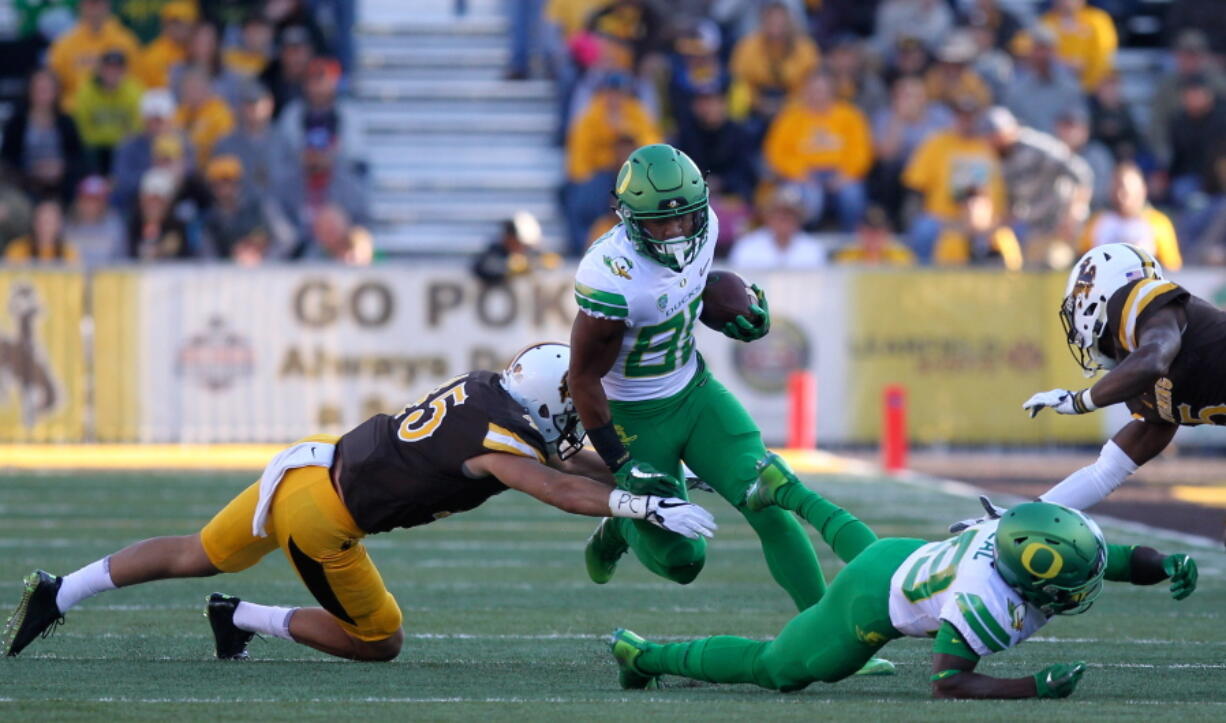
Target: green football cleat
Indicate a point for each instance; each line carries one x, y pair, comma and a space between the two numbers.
773, 476
627, 647
604, 548
876, 666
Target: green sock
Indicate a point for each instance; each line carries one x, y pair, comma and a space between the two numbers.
721, 659
789, 554
843, 531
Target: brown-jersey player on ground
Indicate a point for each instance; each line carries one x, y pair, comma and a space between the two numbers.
466, 441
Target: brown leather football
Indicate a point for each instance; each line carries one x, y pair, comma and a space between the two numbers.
725, 297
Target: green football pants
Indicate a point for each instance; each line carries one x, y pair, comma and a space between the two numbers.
826, 642
706, 426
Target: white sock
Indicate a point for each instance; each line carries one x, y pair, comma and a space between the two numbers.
84, 583
263, 619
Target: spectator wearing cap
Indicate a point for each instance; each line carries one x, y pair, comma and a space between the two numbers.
908, 57
269, 161
74, 54
635, 27
516, 251
1131, 220
1073, 129
254, 50
945, 163
695, 69
203, 115
854, 81
319, 107
1085, 39
169, 48
154, 232
780, 243
769, 64
952, 76
41, 143
45, 243
978, 237
823, 146
1049, 187
321, 180
334, 237
204, 54
107, 109
191, 198
286, 74
875, 244
928, 21
591, 151
1197, 126
93, 227
717, 144
897, 131
134, 155
1193, 58
238, 226
1043, 87
1113, 123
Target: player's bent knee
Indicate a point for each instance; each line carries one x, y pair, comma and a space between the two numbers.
685, 574
192, 560
379, 651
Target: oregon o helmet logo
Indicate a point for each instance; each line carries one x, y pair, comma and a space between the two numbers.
1054, 565
629, 171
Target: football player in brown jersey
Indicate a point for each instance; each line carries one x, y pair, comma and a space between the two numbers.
471, 438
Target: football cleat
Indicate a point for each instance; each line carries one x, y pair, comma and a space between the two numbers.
604, 548
230, 640
36, 614
773, 476
626, 647
876, 666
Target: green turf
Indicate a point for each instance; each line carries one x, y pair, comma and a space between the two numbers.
502, 624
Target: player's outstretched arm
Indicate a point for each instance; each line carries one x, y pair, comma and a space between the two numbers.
585, 463
954, 677
583, 496
1142, 565
1134, 445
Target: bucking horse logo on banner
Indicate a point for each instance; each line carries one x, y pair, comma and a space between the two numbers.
24, 371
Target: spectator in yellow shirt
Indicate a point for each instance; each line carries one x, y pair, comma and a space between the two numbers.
249, 58
945, 163
769, 64
1085, 39
170, 47
45, 242
1131, 219
824, 147
204, 116
107, 109
75, 53
977, 238
875, 244
608, 130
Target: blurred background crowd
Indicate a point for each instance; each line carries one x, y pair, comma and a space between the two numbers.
900, 132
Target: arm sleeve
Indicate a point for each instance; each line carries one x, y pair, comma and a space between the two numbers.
950, 642
1119, 563
597, 296
1135, 564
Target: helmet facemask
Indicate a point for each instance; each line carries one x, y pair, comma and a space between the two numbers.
1084, 324
570, 433
674, 253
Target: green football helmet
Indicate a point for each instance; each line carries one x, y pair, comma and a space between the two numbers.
1053, 556
659, 182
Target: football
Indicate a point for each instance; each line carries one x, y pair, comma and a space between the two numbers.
725, 297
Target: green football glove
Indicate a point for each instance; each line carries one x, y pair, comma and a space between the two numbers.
1182, 571
641, 478
1059, 680
742, 329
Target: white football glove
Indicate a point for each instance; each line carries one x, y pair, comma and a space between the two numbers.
684, 518
1062, 401
993, 513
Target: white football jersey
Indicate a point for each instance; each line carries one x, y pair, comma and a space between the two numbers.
658, 305
956, 580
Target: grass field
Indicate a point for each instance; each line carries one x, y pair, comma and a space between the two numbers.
501, 622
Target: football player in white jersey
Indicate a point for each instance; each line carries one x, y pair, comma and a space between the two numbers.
647, 400
979, 593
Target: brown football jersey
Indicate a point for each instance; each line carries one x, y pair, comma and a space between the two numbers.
1193, 391
406, 470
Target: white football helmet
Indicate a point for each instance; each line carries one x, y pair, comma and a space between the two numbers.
536, 379
1095, 277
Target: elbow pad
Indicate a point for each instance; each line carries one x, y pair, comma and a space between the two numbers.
1089, 485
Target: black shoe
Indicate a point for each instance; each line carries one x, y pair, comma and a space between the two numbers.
231, 642
36, 614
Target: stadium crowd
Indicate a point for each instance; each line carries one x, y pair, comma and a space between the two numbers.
945, 132
180, 129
